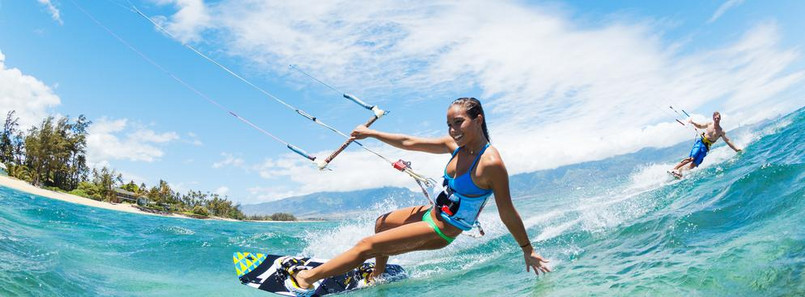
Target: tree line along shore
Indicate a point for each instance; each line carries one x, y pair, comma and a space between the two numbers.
53, 156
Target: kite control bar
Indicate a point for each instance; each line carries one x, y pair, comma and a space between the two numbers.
378, 113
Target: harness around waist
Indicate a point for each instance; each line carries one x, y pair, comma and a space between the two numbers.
459, 210
707, 142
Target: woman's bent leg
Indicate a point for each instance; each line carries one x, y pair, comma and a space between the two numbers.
405, 238
392, 220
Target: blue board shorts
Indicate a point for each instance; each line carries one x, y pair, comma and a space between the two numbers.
698, 152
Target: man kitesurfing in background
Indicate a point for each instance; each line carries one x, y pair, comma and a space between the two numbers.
712, 132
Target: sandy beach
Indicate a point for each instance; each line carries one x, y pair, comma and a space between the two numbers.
10, 182
20, 185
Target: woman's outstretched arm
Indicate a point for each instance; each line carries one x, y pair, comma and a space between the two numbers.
442, 145
509, 215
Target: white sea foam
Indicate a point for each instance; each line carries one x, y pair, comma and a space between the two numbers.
650, 176
340, 239
552, 231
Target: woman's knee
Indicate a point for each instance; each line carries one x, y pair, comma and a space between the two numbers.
380, 223
397, 218
366, 248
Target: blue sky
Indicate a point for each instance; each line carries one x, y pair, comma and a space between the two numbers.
562, 82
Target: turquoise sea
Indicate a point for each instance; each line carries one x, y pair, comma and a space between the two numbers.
734, 227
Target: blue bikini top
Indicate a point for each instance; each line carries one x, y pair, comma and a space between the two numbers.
463, 184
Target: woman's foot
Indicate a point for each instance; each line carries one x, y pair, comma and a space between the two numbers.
292, 269
369, 274
301, 279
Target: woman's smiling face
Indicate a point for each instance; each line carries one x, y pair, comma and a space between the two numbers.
460, 126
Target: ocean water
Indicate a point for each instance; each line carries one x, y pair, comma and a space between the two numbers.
734, 227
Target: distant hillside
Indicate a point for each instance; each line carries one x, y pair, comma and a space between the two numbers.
593, 174
334, 205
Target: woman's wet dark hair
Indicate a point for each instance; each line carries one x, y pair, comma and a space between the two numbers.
473, 108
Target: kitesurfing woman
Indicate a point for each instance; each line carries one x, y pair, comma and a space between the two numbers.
474, 172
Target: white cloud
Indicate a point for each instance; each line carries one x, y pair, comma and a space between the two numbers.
229, 160
192, 138
25, 94
723, 8
265, 194
54, 12
555, 93
183, 187
137, 179
187, 23
618, 112
111, 140
145, 135
222, 191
